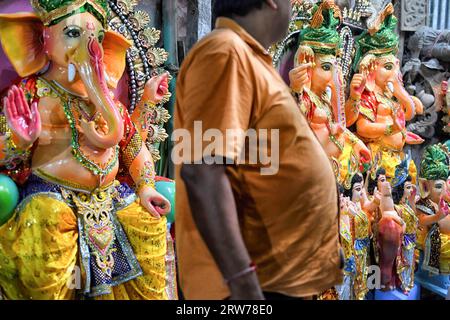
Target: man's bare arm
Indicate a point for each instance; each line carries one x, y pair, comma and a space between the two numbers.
214, 212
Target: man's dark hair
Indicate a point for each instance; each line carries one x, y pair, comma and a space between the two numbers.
373, 183
357, 178
229, 8
397, 192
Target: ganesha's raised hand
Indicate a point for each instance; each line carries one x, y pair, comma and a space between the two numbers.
357, 86
156, 88
299, 77
24, 122
156, 204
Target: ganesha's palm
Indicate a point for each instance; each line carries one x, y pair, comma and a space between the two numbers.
156, 88
357, 85
25, 122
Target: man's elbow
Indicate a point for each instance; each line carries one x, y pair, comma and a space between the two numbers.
192, 174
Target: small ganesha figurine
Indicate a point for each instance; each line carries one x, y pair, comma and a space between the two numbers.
316, 80
64, 137
379, 103
433, 236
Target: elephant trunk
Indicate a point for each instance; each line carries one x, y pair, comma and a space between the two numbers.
405, 99
337, 98
92, 73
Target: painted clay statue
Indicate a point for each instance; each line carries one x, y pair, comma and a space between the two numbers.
345, 291
432, 43
65, 132
390, 230
378, 103
317, 81
361, 236
432, 209
404, 196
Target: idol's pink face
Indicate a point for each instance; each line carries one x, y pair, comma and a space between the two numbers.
69, 40
386, 70
380, 181
74, 47
326, 76
438, 188
409, 189
357, 192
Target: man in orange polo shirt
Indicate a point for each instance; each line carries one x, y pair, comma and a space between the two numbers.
249, 229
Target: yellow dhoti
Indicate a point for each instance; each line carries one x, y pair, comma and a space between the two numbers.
444, 258
39, 252
346, 166
389, 159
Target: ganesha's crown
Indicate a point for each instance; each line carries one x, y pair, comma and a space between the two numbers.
53, 11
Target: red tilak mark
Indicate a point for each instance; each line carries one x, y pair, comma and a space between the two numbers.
90, 26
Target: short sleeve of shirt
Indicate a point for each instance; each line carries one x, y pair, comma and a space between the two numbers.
214, 104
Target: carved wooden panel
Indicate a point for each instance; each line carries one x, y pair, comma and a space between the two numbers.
414, 14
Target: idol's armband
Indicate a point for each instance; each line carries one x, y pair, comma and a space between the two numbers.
137, 159
10, 154
350, 137
355, 105
142, 117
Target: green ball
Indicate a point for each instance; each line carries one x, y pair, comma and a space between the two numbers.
9, 197
167, 189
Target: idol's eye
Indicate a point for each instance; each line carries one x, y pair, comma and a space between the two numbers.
101, 36
72, 32
389, 66
326, 66
438, 186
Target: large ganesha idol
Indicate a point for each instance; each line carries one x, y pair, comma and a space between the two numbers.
64, 137
317, 81
379, 103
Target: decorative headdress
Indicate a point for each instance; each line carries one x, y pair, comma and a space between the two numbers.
381, 39
401, 173
321, 35
435, 163
53, 11
301, 17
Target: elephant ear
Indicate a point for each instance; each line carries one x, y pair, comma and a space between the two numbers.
115, 47
424, 188
21, 36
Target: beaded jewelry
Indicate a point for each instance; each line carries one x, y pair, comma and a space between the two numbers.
132, 150
389, 130
144, 60
70, 104
13, 154
356, 104
147, 177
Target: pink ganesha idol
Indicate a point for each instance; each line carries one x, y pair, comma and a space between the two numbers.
65, 139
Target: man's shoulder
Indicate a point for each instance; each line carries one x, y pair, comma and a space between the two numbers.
220, 42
